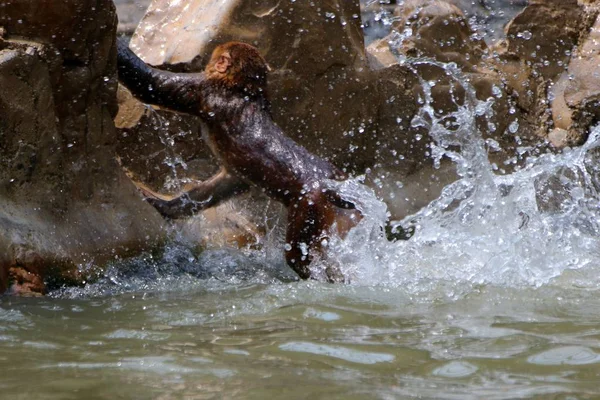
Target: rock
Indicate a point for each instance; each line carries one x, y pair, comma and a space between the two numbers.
438, 30
545, 33
131, 110
66, 207
558, 137
576, 95
380, 55
162, 148
288, 34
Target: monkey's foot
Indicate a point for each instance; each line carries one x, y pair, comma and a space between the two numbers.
161, 206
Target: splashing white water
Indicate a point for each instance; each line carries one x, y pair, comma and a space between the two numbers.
522, 229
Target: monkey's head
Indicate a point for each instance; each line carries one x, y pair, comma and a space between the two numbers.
238, 65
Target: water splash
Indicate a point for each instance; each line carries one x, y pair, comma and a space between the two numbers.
522, 229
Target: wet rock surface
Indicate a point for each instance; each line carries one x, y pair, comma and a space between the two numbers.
576, 95
545, 33
66, 207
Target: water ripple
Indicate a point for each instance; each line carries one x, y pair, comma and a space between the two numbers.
569, 355
343, 353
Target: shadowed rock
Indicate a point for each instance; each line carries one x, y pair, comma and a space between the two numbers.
66, 208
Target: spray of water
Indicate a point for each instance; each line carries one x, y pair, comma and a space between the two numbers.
527, 228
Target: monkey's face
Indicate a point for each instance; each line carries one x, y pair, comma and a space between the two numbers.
222, 62
240, 65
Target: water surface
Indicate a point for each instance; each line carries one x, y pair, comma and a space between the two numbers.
303, 340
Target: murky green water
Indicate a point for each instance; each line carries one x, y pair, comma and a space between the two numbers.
213, 340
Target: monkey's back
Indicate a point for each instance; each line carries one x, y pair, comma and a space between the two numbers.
247, 141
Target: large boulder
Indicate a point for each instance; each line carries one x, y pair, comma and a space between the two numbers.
439, 30
66, 207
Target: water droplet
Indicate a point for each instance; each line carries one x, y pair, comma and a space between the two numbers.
497, 91
524, 35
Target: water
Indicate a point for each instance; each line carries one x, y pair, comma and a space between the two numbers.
303, 340
495, 296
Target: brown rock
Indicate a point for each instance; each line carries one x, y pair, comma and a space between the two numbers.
545, 33
131, 110
576, 94
439, 30
380, 55
66, 207
163, 149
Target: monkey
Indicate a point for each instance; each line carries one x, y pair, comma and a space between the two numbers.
230, 96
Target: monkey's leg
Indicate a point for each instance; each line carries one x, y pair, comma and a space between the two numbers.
309, 222
195, 196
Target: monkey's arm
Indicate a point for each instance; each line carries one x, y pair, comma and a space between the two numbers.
195, 196
178, 92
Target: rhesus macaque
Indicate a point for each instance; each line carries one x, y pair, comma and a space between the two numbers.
230, 96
